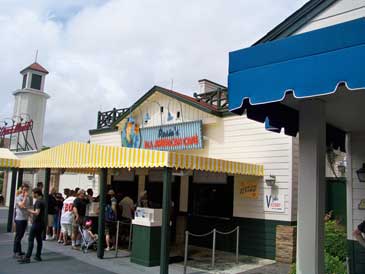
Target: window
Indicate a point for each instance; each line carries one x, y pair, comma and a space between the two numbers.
24, 80
214, 200
36, 81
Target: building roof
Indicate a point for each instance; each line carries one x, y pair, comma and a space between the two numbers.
37, 67
212, 109
296, 20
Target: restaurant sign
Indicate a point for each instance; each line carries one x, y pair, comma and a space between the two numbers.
181, 136
249, 190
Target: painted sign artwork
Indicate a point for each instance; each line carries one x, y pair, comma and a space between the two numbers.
181, 136
274, 203
131, 135
249, 190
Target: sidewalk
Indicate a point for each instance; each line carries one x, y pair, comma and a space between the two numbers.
59, 259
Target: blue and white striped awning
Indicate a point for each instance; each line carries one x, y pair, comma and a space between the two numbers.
306, 65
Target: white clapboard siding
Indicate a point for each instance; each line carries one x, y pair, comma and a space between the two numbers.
152, 107
237, 138
339, 12
358, 188
108, 138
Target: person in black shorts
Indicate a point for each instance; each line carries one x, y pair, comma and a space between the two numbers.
37, 227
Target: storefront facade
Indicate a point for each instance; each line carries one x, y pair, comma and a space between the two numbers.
318, 95
167, 120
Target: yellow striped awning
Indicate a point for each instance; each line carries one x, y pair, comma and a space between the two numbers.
76, 156
8, 159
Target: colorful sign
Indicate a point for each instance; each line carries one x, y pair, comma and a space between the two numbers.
249, 190
181, 136
274, 203
131, 136
19, 127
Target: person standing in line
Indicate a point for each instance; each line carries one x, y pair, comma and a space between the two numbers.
52, 207
40, 186
57, 216
110, 219
79, 210
66, 219
127, 207
22, 203
37, 227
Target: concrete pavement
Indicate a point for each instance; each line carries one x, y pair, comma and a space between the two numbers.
62, 260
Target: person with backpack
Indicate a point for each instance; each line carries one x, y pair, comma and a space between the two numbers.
110, 219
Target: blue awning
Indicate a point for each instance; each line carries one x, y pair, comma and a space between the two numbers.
306, 65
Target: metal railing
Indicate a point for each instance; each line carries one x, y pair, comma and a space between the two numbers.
216, 98
214, 232
107, 118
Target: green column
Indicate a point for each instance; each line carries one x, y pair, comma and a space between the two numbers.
102, 202
14, 172
20, 178
165, 229
47, 181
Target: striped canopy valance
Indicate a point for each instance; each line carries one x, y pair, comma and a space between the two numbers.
75, 156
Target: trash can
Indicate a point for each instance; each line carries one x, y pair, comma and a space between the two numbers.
146, 244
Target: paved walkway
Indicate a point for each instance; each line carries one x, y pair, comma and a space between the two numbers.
59, 260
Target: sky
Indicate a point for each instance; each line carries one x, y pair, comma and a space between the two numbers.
107, 53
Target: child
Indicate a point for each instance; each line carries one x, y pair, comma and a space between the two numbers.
88, 236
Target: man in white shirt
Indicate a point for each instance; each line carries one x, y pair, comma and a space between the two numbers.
66, 218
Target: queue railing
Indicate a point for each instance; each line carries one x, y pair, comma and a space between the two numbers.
214, 239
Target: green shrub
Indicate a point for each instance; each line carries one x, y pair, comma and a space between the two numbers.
333, 265
335, 246
335, 240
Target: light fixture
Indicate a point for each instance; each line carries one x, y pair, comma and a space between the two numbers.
270, 127
361, 173
170, 117
341, 167
147, 117
271, 180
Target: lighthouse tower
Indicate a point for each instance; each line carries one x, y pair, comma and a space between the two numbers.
30, 108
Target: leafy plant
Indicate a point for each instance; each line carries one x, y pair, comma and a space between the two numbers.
335, 243
333, 265
335, 248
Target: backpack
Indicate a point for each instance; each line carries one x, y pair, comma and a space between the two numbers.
110, 216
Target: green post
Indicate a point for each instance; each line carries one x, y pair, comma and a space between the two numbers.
14, 172
165, 229
20, 178
102, 202
47, 181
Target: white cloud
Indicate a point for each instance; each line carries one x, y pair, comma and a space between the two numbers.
108, 53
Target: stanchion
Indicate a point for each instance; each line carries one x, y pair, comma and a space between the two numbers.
237, 243
130, 236
213, 251
186, 250
214, 232
117, 241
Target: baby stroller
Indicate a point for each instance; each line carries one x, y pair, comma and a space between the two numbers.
89, 240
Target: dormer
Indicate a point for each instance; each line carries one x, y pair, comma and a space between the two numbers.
34, 77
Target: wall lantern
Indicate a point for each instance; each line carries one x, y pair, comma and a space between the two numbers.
170, 117
146, 117
271, 180
361, 173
